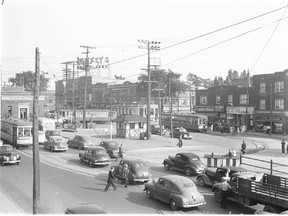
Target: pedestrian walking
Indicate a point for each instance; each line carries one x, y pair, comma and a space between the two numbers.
243, 147
283, 145
110, 179
224, 187
120, 152
180, 142
125, 175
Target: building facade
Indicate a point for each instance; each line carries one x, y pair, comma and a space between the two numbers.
271, 101
226, 104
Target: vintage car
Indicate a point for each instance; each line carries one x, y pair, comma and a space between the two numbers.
188, 162
80, 142
85, 208
95, 155
8, 155
181, 131
49, 133
178, 191
138, 170
41, 137
111, 147
56, 143
210, 176
155, 129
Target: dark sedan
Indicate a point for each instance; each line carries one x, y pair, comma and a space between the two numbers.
188, 162
178, 191
138, 171
8, 155
80, 142
95, 156
111, 147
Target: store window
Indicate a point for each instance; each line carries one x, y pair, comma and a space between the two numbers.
230, 99
218, 99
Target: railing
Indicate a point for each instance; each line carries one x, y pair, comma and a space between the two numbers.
265, 167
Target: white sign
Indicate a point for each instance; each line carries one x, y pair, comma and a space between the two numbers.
94, 62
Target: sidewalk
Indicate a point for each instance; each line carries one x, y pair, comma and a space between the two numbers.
7, 206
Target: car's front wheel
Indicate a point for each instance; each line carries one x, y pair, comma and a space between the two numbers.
148, 194
91, 163
188, 171
51, 149
167, 166
80, 147
201, 181
173, 205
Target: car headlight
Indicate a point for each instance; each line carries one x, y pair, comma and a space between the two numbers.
185, 201
4, 157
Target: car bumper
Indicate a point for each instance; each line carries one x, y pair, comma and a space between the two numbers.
102, 163
191, 205
141, 179
60, 149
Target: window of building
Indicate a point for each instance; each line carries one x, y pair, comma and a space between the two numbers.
262, 104
262, 87
182, 101
203, 99
218, 99
132, 125
141, 125
279, 86
244, 99
279, 104
230, 99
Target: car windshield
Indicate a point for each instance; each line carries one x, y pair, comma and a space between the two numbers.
85, 139
194, 159
99, 152
139, 164
55, 133
6, 149
112, 144
183, 130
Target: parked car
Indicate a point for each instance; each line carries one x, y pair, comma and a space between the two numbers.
226, 128
86, 208
80, 142
56, 143
138, 170
111, 147
212, 175
178, 191
49, 133
8, 155
95, 155
155, 129
190, 163
181, 131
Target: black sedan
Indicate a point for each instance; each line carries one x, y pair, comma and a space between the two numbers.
138, 170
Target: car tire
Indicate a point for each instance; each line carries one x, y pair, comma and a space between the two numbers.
18, 163
173, 205
91, 163
148, 194
201, 181
167, 166
271, 209
51, 149
80, 147
188, 171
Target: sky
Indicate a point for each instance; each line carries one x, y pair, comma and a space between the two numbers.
205, 38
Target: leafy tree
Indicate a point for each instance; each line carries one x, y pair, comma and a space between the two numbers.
160, 79
27, 80
198, 81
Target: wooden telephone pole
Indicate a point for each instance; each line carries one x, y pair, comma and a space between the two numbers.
36, 164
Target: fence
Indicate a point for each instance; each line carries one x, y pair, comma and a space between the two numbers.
271, 164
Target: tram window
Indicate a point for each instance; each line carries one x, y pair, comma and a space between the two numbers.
27, 132
20, 132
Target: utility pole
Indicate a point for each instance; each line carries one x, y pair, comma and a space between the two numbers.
36, 164
86, 66
73, 97
66, 78
170, 100
247, 102
149, 45
271, 106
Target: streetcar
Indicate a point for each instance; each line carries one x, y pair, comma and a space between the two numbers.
191, 122
16, 132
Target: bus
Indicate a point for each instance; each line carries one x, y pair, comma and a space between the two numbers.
16, 132
191, 122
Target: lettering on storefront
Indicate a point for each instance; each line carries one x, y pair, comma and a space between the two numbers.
239, 110
94, 62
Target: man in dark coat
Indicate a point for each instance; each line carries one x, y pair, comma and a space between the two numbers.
110, 179
243, 147
283, 146
125, 175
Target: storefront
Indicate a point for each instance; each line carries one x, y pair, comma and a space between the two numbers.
263, 122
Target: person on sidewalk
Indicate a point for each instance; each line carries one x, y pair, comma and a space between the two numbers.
243, 147
283, 145
125, 175
180, 141
110, 179
120, 153
224, 187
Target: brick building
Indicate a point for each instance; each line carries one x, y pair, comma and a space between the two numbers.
271, 101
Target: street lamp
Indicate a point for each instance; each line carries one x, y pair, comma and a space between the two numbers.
149, 45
